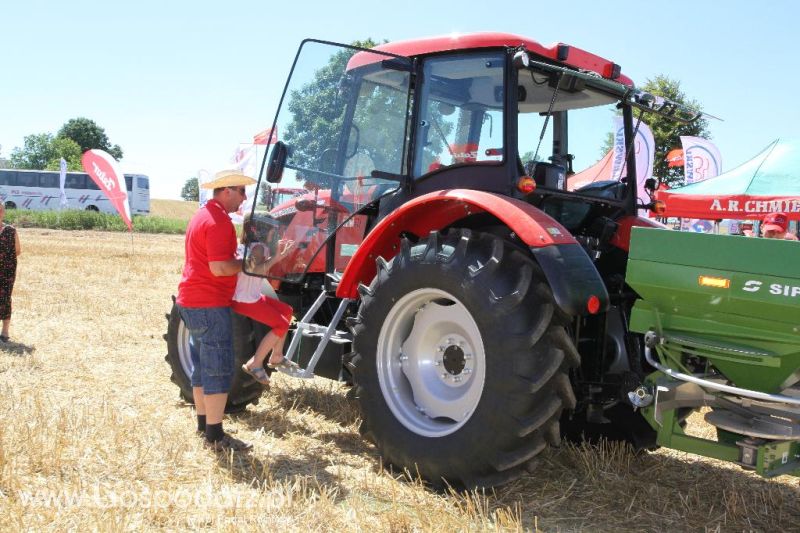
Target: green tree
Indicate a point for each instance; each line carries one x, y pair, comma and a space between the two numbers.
69, 150
317, 111
89, 135
190, 191
667, 133
35, 152
44, 152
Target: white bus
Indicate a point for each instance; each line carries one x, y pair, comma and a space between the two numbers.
39, 189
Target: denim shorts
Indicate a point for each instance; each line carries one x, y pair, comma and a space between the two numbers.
212, 356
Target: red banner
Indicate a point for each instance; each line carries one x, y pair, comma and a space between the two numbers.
268, 136
105, 172
734, 206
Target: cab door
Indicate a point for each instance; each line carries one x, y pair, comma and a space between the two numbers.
341, 137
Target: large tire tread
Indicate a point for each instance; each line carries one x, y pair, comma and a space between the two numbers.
527, 350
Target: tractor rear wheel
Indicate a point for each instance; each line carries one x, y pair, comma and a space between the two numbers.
462, 362
246, 334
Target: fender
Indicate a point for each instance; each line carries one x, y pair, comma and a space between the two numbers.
436, 210
622, 238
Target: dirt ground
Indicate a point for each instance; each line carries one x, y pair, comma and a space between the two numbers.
94, 437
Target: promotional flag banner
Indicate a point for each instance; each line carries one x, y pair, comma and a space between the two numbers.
105, 172
645, 149
701, 159
267, 136
674, 158
244, 160
62, 180
203, 194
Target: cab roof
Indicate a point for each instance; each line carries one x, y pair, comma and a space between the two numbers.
558, 52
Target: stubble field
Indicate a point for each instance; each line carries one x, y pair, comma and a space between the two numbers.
93, 436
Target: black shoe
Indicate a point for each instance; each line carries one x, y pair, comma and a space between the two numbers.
227, 443
4, 338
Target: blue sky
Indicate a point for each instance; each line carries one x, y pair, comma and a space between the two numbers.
178, 85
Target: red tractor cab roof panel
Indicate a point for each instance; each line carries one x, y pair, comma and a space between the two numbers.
559, 52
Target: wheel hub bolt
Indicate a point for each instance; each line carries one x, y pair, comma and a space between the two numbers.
457, 379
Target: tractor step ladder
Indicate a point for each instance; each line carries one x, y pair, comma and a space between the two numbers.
326, 334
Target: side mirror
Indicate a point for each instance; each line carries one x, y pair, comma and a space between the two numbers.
277, 162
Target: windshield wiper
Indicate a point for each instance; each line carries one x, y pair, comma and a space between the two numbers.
549, 112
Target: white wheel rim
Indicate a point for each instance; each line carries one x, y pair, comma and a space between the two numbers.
185, 348
431, 362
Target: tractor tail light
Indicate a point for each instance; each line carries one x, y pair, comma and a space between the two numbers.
526, 185
659, 207
593, 304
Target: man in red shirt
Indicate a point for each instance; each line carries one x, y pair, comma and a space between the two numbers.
204, 299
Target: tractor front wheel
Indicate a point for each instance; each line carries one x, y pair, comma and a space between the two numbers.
461, 365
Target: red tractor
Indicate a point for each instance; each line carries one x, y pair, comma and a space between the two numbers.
442, 264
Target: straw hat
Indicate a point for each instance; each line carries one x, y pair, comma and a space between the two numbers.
228, 178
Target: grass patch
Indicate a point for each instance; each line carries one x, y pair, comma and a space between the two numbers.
73, 219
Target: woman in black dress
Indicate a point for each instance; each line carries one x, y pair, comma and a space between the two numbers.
9, 250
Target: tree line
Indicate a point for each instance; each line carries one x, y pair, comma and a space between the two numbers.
43, 151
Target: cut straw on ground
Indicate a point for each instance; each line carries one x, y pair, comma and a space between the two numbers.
94, 437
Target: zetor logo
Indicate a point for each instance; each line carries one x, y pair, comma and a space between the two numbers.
777, 289
108, 182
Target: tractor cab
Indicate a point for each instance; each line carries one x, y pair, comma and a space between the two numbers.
362, 132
